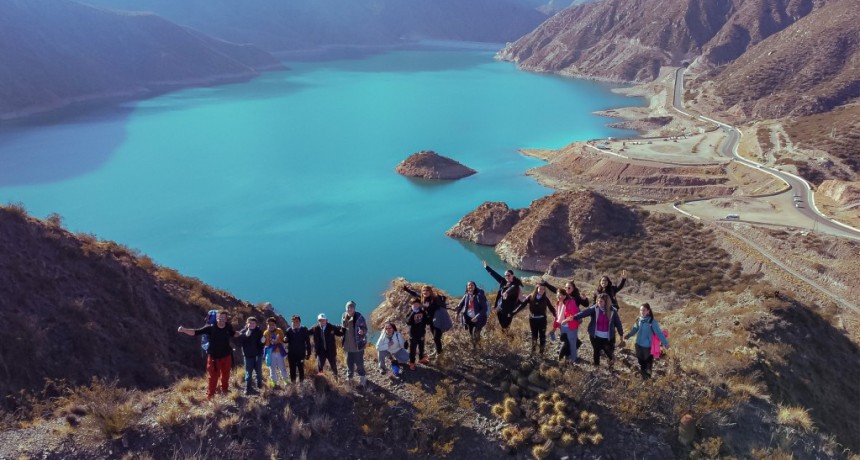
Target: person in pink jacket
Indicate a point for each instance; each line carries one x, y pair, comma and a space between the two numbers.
566, 308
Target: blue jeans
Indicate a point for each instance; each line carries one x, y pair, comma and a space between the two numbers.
571, 339
254, 364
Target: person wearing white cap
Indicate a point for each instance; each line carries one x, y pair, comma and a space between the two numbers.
325, 345
354, 341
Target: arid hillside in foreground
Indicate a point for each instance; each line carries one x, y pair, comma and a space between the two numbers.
744, 371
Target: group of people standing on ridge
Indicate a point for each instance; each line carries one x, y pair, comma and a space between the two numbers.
428, 310
276, 346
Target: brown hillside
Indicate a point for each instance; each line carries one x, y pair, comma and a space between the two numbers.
563, 223
77, 308
810, 67
629, 40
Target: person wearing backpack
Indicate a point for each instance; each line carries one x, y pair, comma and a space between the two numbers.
437, 313
391, 345
354, 341
473, 309
508, 297
646, 330
298, 340
417, 321
251, 340
275, 352
219, 360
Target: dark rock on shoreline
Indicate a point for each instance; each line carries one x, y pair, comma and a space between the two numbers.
428, 164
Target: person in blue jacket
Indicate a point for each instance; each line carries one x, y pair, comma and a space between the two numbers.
646, 328
602, 326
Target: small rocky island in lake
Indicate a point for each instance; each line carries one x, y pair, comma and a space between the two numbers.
430, 165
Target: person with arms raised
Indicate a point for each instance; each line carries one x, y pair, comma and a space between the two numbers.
508, 296
219, 359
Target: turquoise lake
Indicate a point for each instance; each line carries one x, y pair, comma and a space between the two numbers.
283, 188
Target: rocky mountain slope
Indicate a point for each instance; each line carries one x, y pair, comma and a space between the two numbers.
58, 52
303, 24
759, 52
811, 67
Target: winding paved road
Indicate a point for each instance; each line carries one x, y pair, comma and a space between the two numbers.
799, 187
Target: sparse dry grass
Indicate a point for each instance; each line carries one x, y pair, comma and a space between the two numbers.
795, 417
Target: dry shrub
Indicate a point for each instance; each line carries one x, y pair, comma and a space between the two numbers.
321, 423
707, 449
795, 417
229, 422
110, 409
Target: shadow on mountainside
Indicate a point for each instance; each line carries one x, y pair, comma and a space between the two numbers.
819, 370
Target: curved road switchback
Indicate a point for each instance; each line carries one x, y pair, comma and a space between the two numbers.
800, 189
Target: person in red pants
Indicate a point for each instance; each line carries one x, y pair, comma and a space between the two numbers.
219, 358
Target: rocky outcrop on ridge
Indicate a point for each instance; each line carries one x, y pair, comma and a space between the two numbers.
58, 52
428, 164
486, 225
551, 227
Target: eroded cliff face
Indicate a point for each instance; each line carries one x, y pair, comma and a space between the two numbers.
486, 225
551, 227
430, 165
842, 192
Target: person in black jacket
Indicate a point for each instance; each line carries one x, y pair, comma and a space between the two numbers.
251, 340
298, 340
325, 345
416, 319
605, 286
220, 354
538, 304
432, 303
508, 297
572, 291
473, 310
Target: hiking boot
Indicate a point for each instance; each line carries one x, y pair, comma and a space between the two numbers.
424, 361
250, 392
412, 366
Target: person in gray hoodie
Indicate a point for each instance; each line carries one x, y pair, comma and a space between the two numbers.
354, 341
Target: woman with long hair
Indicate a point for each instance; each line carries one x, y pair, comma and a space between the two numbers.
391, 345
572, 290
565, 320
602, 326
473, 309
508, 296
646, 329
432, 303
538, 304
605, 286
